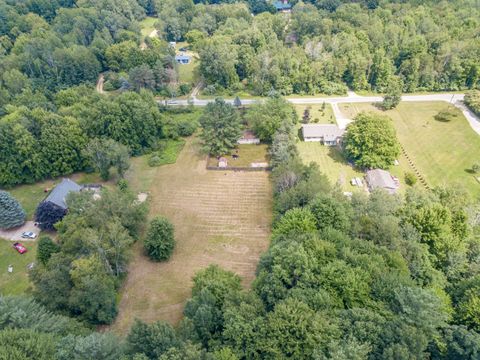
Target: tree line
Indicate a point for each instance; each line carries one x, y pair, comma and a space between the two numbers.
327, 46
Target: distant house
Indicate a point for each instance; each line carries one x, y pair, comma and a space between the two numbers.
183, 59
248, 137
327, 134
59, 194
283, 6
381, 179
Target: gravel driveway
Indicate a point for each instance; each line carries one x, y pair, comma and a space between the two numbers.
16, 233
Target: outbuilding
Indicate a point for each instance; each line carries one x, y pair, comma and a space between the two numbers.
183, 59
222, 162
382, 179
248, 137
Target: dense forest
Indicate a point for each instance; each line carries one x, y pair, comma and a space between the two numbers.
325, 47
378, 277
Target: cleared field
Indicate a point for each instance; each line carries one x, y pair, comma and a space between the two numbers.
443, 152
318, 114
17, 282
219, 217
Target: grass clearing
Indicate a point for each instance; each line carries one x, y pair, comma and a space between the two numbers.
16, 283
186, 73
247, 155
219, 217
147, 26
443, 152
318, 114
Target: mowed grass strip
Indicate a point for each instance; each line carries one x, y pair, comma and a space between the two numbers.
443, 152
220, 218
17, 282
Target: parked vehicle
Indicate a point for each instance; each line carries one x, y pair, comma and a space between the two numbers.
20, 248
29, 235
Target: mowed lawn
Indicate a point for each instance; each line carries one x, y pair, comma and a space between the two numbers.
219, 217
247, 154
318, 114
443, 152
17, 282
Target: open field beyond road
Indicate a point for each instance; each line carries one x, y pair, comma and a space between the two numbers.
443, 152
219, 217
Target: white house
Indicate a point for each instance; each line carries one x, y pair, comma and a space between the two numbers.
327, 134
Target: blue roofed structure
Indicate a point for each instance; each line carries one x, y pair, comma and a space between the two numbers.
183, 59
59, 194
282, 5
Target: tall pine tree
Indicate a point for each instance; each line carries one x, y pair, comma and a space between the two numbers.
11, 212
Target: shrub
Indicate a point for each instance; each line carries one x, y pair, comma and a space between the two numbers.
410, 179
46, 247
184, 89
154, 160
11, 212
186, 128
122, 184
48, 214
160, 241
476, 168
445, 116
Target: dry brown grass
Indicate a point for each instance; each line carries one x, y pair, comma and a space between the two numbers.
219, 217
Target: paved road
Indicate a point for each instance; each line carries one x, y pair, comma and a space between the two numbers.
342, 121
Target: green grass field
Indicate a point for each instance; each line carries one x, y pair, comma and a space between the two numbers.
247, 155
147, 25
443, 152
17, 282
186, 73
317, 113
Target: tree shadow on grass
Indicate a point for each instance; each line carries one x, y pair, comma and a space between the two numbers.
337, 155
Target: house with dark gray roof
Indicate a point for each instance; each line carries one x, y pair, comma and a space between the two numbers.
382, 179
327, 134
59, 194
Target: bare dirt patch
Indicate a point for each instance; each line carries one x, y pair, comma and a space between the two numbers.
219, 217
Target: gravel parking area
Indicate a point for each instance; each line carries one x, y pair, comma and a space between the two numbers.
16, 233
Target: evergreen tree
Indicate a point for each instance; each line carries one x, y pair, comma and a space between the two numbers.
11, 212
